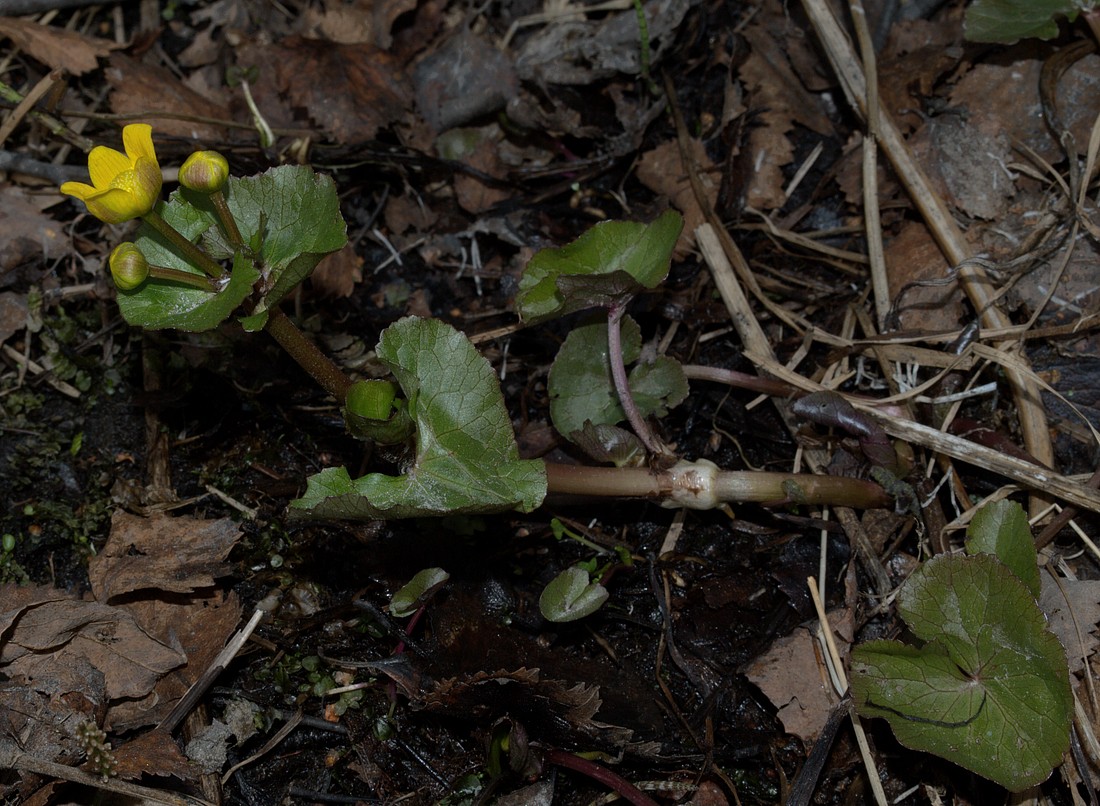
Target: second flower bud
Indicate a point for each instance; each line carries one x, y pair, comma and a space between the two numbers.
204, 172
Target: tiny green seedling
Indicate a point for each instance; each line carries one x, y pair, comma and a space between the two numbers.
418, 590
571, 595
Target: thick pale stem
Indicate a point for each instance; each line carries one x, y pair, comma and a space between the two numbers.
700, 485
185, 249
320, 367
622, 384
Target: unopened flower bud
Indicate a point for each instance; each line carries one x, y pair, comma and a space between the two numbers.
371, 399
204, 171
128, 266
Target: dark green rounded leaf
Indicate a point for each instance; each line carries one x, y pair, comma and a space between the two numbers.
990, 688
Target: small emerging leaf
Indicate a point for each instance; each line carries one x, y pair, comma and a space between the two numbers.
571, 596
417, 591
581, 387
610, 262
1001, 529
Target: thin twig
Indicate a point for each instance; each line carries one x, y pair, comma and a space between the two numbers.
833, 659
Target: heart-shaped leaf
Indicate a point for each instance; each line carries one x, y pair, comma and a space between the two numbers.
290, 216
466, 461
990, 688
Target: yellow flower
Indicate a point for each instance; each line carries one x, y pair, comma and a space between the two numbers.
124, 186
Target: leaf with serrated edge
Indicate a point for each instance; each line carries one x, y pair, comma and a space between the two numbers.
989, 691
467, 460
611, 261
1000, 528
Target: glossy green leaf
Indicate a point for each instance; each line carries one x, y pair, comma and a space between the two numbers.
294, 213
1000, 528
571, 595
158, 304
417, 591
1007, 21
990, 688
289, 214
581, 387
610, 262
466, 460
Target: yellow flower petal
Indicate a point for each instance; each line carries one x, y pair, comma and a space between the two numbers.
148, 180
115, 206
138, 140
78, 189
104, 164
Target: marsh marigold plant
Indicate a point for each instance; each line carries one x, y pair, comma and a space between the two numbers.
124, 186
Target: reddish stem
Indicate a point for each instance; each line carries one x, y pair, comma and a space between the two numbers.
622, 383
611, 780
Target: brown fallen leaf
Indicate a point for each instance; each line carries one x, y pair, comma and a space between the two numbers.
26, 233
777, 100
198, 626
153, 753
161, 553
792, 675
138, 88
1073, 612
55, 47
354, 22
662, 171
912, 257
47, 639
351, 91
337, 274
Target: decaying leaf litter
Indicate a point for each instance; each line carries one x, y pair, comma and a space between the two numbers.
148, 474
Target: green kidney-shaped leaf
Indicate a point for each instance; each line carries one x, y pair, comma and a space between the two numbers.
610, 262
582, 389
294, 214
1001, 529
1008, 21
466, 461
990, 688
